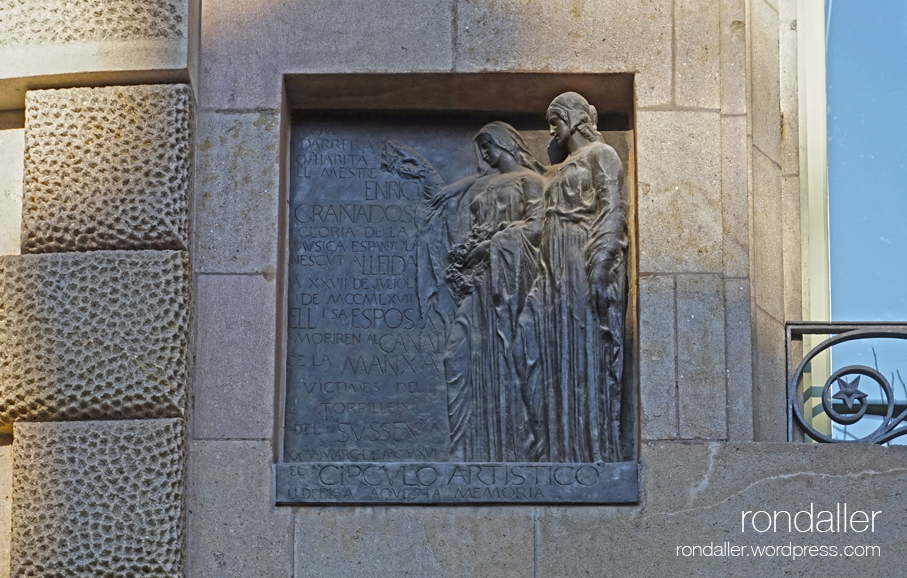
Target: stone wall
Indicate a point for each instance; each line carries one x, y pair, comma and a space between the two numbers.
59, 43
96, 342
718, 275
99, 498
775, 186
12, 151
94, 335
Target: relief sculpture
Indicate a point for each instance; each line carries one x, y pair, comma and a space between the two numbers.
525, 269
456, 305
488, 270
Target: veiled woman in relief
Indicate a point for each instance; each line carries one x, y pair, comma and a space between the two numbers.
487, 271
569, 349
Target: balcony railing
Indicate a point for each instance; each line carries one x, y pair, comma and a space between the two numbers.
842, 400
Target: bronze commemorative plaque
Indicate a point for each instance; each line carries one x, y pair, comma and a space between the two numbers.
457, 311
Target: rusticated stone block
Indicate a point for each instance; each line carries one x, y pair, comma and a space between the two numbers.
26, 22
95, 335
99, 498
106, 168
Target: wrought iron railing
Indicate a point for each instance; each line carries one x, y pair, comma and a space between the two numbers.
850, 404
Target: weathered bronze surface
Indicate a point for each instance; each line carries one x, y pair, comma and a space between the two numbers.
456, 312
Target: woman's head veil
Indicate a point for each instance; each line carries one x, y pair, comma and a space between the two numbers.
576, 111
507, 137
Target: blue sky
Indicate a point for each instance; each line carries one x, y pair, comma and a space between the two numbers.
867, 158
866, 43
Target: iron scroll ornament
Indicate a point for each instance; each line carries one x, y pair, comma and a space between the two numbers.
850, 393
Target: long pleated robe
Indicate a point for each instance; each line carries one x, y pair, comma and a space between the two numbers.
569, 351
488, 421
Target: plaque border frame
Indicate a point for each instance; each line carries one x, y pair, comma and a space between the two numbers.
613, 93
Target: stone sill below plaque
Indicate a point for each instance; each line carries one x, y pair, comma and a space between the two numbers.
368, 483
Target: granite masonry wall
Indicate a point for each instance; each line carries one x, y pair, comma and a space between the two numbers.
60, 43
95, 317
718, 237
99, 498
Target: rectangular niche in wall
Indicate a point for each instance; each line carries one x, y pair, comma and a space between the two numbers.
460, 291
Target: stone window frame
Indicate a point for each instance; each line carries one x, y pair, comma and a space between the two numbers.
813, 160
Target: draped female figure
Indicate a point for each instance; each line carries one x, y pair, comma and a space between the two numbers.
487, 273
569, 350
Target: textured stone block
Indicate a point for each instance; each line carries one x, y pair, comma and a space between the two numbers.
425, 542
789, 89
6, 494
106, 168
103, 498
766, 105
657, 358
233, 390
792, 256
48, 43
735, 202
236, 204
695, 494
248, 44
26, 22
697, 62
680, 220
739, 336
768, 246
770, 386
553, 36
701, 369
234, 528
95, 335
733, 57
12, 149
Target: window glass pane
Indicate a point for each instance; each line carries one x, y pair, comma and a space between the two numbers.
866, 67
867, 158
